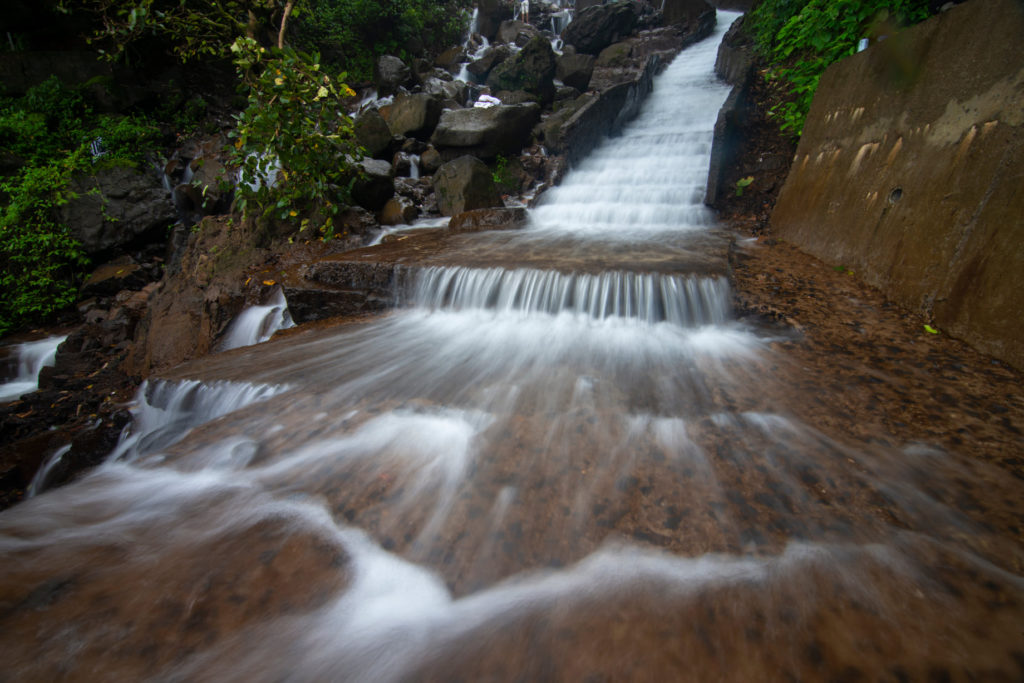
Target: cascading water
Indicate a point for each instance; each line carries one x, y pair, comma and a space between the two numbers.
257, 324
30, 358
577, 469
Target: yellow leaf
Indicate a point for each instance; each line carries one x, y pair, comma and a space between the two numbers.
268, 283
293, 213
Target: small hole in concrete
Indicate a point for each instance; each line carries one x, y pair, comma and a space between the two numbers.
895, 195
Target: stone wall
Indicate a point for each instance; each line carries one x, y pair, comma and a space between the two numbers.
910, 172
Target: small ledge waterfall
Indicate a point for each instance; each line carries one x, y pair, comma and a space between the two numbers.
31, 358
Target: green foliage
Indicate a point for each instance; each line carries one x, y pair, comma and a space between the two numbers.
500, 164
742, 184
351, 34
39, 258
294, 146
801, 38
193, 28
51, 129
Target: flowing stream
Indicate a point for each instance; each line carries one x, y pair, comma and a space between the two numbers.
560, 458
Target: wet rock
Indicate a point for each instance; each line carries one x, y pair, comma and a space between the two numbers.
578, 126
695, 15
208, 193
615, 55
532, 70
516, 33
402, 163
450, 59
430, 160
117, 207
356, 220
389, 74
479, 220
516, 97
491, 58
730, 128
575, 70
111, 278
373, 133
492, 14
376, 186
735, 58
413, 115
485, 132
597, 27
398, 211
463, 184
455, 91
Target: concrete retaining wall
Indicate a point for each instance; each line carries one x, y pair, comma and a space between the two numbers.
911, 172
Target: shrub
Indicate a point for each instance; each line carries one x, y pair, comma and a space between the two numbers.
52, 129
353, 33
801, 38
294, 145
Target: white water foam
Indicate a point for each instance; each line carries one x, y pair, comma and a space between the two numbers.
32, 358
651, 178
257, 324
645, 297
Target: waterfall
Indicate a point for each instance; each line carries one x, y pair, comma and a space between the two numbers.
257, 324
645, 297
561, 458
30, 358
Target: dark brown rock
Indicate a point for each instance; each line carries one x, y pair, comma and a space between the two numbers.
398, 211
479, 220
389, 74
373, 133
413, 115
485, 132
532, 70
463, 184
597, 27
575, 70
117, 207
491, 58
375, 186
112, 277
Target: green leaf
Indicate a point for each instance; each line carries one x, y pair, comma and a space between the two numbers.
931, 330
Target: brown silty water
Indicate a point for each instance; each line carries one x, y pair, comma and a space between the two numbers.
550, 472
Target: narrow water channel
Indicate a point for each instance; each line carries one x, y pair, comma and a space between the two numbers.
582, 467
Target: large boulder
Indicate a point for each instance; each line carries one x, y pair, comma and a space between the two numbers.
597, 27
117, 207
398, 211
375, 186
485, 132
389, 74
491, 58
516, 33
491, 14
575, 70
464, 184
373, 134
532, 70
452, 91
413, 115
